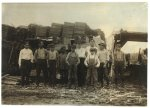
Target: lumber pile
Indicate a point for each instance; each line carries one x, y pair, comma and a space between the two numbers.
42, 31
79, 31
68, 29
60, 32
67, 33
56, 29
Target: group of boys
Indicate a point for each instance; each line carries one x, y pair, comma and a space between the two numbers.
79, 67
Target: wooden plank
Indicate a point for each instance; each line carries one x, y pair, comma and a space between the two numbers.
10, 79
15, 77
9, 82
5, 76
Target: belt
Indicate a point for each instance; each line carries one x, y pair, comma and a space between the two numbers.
25, 60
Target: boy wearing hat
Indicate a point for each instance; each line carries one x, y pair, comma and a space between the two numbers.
92, 63
40, 56
102, 71
72, 60
25, 60
63, 67
52, 58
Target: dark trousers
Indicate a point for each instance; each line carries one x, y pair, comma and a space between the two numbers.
64, 76
41, 65
103, 74
81, 72
72, 75
143, 75
108, 66
119, 69
25, 71
52, 72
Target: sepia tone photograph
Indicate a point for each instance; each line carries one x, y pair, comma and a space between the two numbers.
74, 54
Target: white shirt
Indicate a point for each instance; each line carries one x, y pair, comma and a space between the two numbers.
80, 52
25, 54
103, 55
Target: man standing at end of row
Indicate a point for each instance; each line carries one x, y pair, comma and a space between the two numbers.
119, 63
25, 60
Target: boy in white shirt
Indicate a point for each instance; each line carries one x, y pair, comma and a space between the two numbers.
25, 59
81, 69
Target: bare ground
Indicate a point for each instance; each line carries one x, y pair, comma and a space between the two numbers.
130, 95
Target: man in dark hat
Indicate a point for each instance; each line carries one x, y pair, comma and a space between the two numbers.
102, 71
72, 60
40, 56
25, 60
52, 59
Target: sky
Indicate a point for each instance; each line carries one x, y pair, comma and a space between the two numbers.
109, 17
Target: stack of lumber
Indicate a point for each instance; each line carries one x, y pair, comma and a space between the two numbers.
68, 29
79, 31
79, 28
55, 30
42, 31
67, 32
66, 40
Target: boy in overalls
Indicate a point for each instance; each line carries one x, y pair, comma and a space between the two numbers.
72, 60
92, 63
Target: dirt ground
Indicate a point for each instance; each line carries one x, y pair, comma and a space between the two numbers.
130, 95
